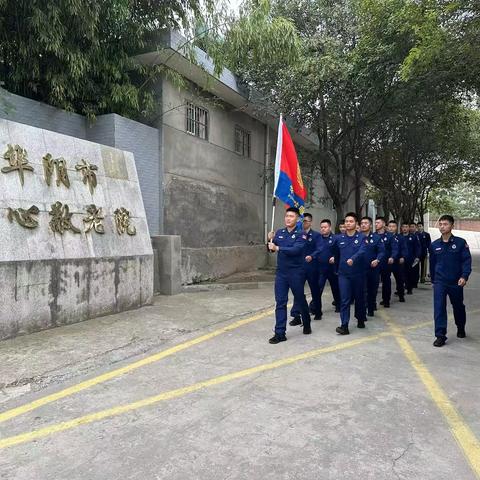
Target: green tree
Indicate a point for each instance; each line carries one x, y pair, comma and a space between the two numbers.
78, 54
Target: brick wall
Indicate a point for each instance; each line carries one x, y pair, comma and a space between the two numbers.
472, 225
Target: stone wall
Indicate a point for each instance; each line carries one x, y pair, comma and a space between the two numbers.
204, 264
48, 278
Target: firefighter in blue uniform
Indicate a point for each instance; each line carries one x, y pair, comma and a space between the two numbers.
349, 256
450, 267
425, 242
412, 258
311, 272
398, 267
416, 266
374, 256
289, 243
391, 255
324, 251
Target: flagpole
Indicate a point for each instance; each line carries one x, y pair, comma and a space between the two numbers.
278, 158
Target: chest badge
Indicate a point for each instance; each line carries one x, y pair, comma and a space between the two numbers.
356, 241
329, 241
293, 236
371, 241
454, 247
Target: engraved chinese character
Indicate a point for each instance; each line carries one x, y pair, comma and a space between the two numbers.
18, 159
89, 175
94, 219
61, 219
60, 165
24, 217
122, 221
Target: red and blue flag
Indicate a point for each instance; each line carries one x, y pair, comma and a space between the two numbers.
288, 186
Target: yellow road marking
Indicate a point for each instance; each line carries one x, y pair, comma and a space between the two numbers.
28, 407
111, 412
462, 433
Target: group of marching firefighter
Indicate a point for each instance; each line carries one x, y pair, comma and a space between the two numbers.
356, 260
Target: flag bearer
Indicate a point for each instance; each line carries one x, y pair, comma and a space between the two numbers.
289, 243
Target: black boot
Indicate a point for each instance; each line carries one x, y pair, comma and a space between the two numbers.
461, 333
440, 342
296, 321
307, 330
277, 339
342, 330
361, 324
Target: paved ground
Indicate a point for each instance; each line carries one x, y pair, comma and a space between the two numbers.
190, 389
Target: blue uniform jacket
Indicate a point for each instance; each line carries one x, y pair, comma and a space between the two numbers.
402, 246
375, 249
324, 250
292, 246
391, 246
310, 246
413, 247
450, 261
353, 247
425, 242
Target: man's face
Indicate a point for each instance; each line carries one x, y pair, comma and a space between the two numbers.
365, 225
420, 228
350, 224
325, 228
307, 223
405, 229
291, 219
413, 228
445, 226
342, 228
379, 224
392, 227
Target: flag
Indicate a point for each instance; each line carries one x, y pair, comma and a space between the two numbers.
288, 185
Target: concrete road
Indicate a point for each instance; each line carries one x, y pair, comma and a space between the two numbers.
190, 389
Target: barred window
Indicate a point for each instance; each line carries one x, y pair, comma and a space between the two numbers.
197, 121
242, 142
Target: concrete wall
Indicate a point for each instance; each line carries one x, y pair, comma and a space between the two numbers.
204, 264
113, 130
213, 196
48, 279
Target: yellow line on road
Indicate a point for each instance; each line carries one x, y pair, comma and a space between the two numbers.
111, 412
462, 433
28, 407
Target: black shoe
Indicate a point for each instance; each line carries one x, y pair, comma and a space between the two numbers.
461, 333
409, 292
370, 313
401, 299
361, 324
382, 302
307, 330
386, 304
342, 330
397, 294
334, 303
274, 340
440, 342
296, 321
318, 316
337, 310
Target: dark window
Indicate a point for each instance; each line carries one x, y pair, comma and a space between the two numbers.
197, 121
243, 142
